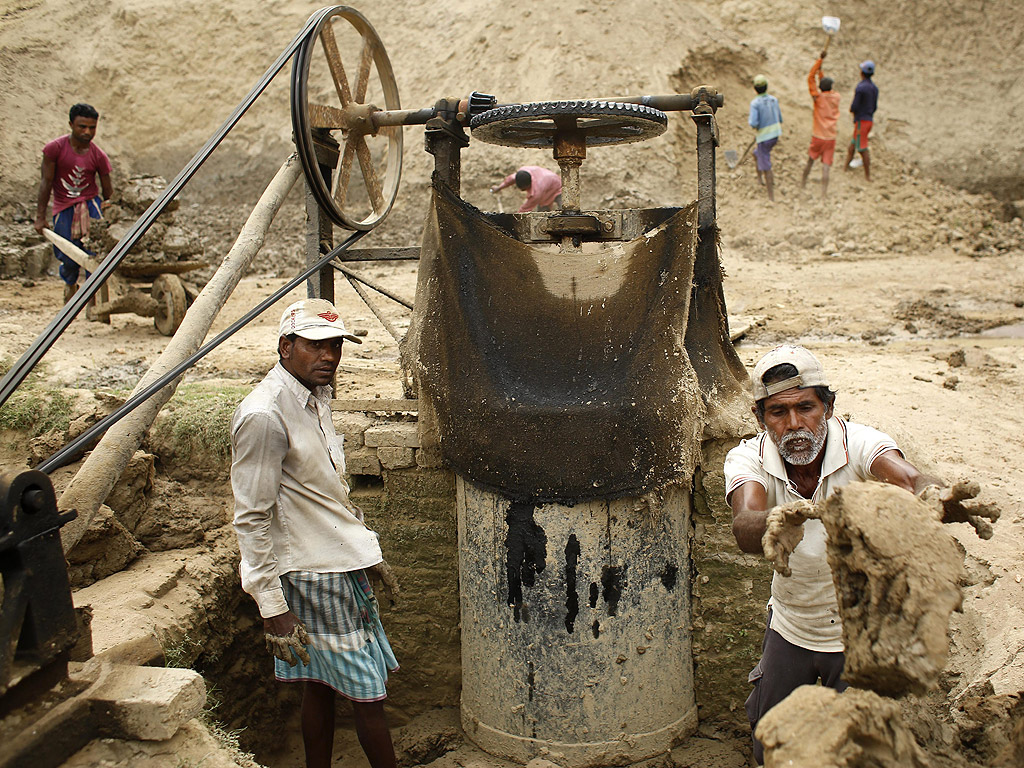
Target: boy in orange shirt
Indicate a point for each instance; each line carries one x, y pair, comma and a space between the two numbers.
826, 117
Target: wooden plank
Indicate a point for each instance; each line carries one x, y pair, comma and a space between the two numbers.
83, 259
377, 404
404, 253
154, 268
740, 325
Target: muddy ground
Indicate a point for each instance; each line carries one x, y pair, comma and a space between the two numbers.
909, 288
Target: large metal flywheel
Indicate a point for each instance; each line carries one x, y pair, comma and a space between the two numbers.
352, 167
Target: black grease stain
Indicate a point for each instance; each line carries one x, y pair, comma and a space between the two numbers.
596, 629
594, 592
572, 597
613, 580
527, 549
668, 576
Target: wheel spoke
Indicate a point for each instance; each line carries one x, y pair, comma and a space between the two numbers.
344, 170
603, 127
324, 116
330, 45
528, 132
363, 76
369, 174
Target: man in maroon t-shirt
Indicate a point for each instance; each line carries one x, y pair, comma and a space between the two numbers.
70, 167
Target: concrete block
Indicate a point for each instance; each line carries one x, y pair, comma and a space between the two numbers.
400, 435
362, 461
396, 458
352, 425
149, 703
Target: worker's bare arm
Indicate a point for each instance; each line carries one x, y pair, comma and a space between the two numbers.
106, 187
749, 505
890, 467
47, 172
282, 624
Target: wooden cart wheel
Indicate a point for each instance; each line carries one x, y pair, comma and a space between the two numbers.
599, 123
170, 303
327, 109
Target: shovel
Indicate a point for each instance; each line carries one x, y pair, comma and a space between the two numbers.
830, 25
732, 159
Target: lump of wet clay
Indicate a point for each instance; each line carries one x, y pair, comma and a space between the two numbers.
897, 575
815, 727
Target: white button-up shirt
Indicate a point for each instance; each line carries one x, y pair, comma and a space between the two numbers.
804, 607
292, 511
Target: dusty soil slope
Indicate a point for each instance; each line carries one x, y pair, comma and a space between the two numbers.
165, 74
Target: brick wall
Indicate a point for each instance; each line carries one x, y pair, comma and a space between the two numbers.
730, 590
410, 501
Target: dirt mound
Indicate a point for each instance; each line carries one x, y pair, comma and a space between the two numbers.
815, 727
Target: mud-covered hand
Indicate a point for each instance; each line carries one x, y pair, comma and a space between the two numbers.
950, 507
288, 646
382, 576
784, 529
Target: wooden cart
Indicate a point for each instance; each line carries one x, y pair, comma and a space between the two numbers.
147, 289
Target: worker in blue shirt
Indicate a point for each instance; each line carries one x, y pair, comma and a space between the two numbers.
766, 119
865, 102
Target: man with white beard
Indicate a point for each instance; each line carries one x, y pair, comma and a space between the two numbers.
803, 454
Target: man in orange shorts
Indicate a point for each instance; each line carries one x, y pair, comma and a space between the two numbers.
826, 118
865, 101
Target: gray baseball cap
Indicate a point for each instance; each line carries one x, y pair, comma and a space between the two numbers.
810, 372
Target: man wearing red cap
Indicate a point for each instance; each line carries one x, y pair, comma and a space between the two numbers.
305, 549
802, 455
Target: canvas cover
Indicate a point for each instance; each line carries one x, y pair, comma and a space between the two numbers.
555, 377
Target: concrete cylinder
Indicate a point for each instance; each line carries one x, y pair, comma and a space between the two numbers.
576, 641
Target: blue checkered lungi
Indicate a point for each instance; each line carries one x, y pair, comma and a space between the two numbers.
348, 649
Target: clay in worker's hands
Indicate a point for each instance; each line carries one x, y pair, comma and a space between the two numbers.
288, 647
784, 529
950, 507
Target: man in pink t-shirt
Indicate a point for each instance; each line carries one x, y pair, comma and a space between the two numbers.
69, 170
543, 188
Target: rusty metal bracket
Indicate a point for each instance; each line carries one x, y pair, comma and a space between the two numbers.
444, 138
37, 617
592, 225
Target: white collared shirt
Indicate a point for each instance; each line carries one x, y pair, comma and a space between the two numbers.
292, 511
804, 607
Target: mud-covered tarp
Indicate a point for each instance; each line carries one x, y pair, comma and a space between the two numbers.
555, 377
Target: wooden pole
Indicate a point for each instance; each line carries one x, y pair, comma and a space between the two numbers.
98, 475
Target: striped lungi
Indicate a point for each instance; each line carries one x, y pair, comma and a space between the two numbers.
348, 649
